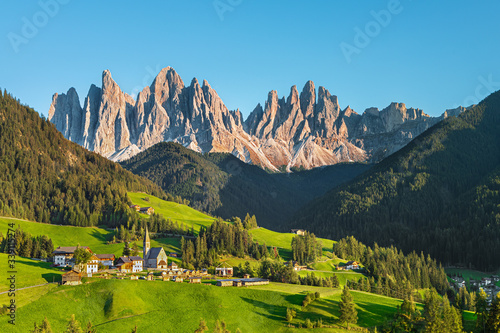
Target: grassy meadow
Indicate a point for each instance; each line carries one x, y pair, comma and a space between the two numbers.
156, 306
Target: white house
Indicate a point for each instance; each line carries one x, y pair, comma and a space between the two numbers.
106, 259
224, 270
63, 254
351, 265
92, 265
137, 264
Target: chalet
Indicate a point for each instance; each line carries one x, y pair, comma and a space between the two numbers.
165, 278
225, 283
242, 282
246, 276
134, 277
154, 258
150, 276
300, 232
92, 266
173, 255
106, 259
72, 278
129, 264
136, 207
297, 267
63, 254
486, 281
146, 210
173, 266
178, 279
351, 265
195, 279
224, 269
495, 278
254, 282
204, 271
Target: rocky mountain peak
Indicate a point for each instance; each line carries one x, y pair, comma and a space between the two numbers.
299, 131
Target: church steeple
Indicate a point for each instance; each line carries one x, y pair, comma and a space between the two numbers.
146, 245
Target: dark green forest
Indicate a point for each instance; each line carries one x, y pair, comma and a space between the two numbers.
46, 178
222, 185
439, 194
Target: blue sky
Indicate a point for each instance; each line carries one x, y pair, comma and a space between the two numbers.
429, 55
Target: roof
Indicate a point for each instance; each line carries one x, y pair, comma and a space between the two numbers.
68, 249
162, 263
224, 265
173, 264
154, 252
71, 272
135, 258
125, 259
146, 208
105, 256
351, 262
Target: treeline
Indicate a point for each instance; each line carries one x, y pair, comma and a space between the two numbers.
28, 246
391, 269
221, 238
136, 225
306, 248
46, 178
439, 194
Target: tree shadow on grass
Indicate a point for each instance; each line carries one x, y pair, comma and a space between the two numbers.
52, 277
274, 312
102, 237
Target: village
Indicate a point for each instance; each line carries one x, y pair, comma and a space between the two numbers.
152, 266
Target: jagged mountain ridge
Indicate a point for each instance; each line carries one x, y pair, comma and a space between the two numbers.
299, 131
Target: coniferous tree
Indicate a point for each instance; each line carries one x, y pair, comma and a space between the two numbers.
481, 310
203, 326
73, 326
432, 312
493, 323
348, 313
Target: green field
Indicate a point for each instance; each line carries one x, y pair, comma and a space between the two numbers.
155, 306
343, 277
283, 241
173, 211
29, 272
95, 238
467, 274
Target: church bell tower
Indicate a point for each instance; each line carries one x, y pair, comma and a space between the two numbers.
146, 245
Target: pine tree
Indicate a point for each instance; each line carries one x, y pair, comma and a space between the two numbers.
203, 327
493, 323
73, 325
481, 310
46, 326
348, 313
432, 312
90, 328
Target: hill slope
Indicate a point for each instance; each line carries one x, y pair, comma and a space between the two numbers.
46, 178
439, 194
223, 185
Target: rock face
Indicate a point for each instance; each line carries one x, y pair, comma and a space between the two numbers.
299, 131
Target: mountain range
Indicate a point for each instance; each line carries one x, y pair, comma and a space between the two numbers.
304, 130
439, 194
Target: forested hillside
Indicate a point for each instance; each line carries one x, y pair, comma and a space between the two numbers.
223, 185
439, 194
46, 178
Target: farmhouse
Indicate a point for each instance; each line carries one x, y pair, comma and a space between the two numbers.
72, 278
297, 267
63, 254
242, 282
300, 232
154, 258
195, 279
147, 210
173, 266
106, 259
130, 264
91, 266
351, 265
224, 269
178, 279
150, 276
136, 207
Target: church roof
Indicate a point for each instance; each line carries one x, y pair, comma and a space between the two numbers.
154, 252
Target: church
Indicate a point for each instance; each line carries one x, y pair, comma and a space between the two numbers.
154, 258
